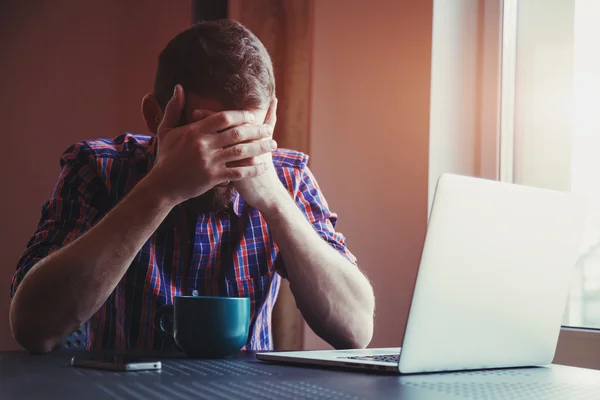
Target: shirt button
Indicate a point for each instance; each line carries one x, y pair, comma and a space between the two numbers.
194, 292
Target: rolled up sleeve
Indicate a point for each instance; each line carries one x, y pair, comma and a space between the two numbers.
313, 204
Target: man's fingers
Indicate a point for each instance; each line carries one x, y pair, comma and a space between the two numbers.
201, 114
241, 134
241, 173
225, 120
172, 111
246, 150
246, 162
271, 118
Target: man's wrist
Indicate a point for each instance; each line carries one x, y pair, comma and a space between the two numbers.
279, 202
154, 196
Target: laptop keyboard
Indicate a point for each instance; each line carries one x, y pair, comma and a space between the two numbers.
390, 358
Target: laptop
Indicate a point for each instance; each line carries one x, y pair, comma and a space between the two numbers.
492, 283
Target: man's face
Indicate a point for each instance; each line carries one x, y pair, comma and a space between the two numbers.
221, 196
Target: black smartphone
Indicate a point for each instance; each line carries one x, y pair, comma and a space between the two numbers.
116, 363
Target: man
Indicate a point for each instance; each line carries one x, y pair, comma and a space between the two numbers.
205, 206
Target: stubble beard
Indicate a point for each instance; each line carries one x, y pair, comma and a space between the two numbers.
216, 199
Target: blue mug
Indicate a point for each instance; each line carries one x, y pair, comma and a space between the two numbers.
206, 326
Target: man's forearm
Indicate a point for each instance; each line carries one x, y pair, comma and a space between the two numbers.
66, 288
335, 298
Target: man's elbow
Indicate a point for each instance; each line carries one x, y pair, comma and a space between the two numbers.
34, 346
360, 334
26, 335
364, 324
364, 334
360, 340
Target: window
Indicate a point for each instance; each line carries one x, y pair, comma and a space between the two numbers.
550, 134
584, 303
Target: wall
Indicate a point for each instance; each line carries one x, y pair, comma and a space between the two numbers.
70, 70
455, 90
370, 141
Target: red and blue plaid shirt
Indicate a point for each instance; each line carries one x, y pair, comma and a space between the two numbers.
229, 253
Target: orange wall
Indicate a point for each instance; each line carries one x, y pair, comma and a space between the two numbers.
70, 70
369, 140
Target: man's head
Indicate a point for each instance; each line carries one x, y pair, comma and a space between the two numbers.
221, 66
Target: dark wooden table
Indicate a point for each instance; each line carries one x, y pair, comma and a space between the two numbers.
24, 376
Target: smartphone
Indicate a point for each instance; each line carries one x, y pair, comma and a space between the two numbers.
116, 363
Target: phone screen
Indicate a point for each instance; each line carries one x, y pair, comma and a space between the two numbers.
116, 363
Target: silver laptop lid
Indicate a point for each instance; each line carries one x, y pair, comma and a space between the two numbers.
494, 276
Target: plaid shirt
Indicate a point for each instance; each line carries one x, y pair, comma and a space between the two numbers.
230, 253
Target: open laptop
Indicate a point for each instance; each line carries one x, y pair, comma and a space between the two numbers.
492, 283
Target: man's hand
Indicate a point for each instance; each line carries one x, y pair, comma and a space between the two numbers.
194, 158
264, 191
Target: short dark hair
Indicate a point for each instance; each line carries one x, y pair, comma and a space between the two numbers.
220, 59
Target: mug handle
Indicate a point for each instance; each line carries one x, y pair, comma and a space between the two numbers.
159, 323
